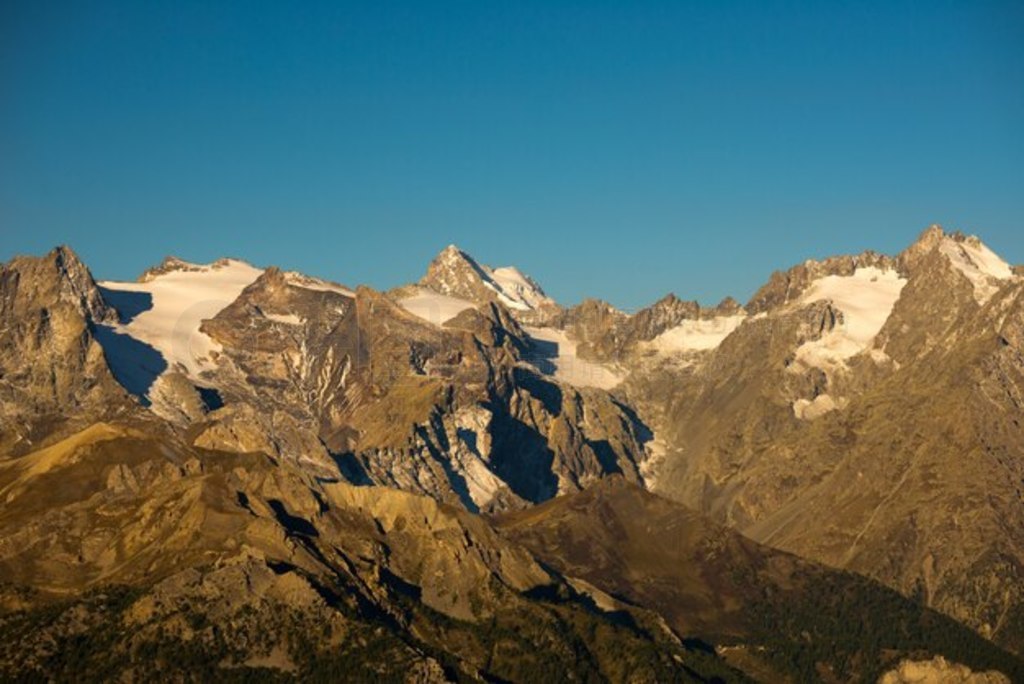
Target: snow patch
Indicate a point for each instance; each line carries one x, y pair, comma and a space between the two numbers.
650, 467
289, 319
519, 286
471, 452
979, 264
513, 288
556, 356
810, 409
178, 302
310, 283
880, 357
865, 299
433, 307
504, 298
696, 334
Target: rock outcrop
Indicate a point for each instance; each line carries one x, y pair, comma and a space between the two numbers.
52, 368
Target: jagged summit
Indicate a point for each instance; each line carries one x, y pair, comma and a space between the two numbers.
455, 273
728, 306
51, 367
930, 236
985, 270
302, 280
172, 264
58, 276
75, 282
857, 406
785, 287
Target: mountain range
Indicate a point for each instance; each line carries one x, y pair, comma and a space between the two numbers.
225, 471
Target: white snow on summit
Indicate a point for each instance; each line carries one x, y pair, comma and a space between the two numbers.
979, 264
310, 283
504, 298
174, 304
513, 288
865, 299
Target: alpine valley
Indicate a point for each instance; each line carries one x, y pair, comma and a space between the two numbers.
228, 472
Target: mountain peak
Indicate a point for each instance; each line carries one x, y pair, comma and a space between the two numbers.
455, 273
172, 263
454, 254
931, 235
63, 275
728, 307
64, 254
985, 269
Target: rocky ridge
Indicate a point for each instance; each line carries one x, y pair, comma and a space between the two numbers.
759, 417
797, 406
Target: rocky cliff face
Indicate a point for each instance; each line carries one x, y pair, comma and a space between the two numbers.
455, 273
52, 370
861, 412
125, 553
348, 383
449, 411
895, 454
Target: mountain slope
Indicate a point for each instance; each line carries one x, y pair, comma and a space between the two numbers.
777, 615
125, 553
863, 412
456, 274
868, 418
247, 359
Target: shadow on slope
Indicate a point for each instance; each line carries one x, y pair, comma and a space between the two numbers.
708, 582
128, 304
542, 354
136, 365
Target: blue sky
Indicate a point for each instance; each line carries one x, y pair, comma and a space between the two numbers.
612, 149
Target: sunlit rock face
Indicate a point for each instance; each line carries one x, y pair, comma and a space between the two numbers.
865, 403
52, 369
254, 439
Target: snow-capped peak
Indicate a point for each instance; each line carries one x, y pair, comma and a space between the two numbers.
173, 264
302, 280
455, 273
979, 264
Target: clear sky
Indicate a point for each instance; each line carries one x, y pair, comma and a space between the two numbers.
612, 149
